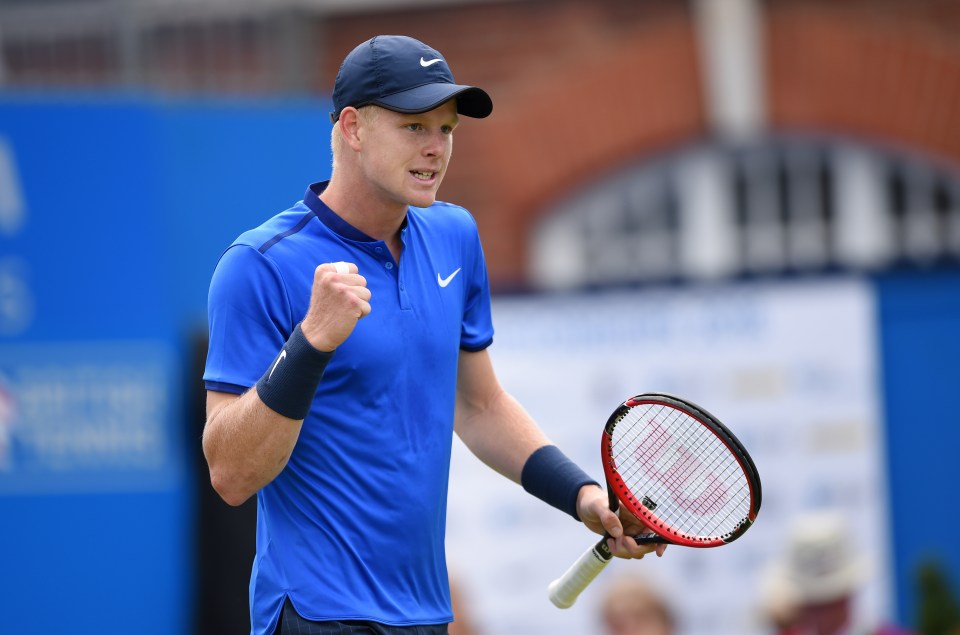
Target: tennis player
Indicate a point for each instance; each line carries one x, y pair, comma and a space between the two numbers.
348, 339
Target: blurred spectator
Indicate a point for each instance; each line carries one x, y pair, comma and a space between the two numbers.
776, 601
813, 590
462, 614
631, 607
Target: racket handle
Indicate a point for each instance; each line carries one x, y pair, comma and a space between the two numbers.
564, 590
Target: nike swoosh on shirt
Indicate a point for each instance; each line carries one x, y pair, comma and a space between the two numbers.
280, 358
425, 63
445, 281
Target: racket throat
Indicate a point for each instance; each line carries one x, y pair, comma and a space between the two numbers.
651, 538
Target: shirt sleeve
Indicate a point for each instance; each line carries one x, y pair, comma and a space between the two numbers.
476, 332
249, 319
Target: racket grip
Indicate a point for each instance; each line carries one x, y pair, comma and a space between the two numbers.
564, 590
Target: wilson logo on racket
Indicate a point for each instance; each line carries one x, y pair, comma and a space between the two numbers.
683, 474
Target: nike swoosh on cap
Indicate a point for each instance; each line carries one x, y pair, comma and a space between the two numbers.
425, 63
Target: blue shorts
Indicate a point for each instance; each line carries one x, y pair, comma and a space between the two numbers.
292, 624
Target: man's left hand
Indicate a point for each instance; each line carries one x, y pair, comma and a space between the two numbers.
593, 507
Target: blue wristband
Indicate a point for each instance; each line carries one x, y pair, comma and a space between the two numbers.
553, 478
290, 384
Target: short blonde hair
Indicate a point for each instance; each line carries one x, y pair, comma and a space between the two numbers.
368, 114
632, 598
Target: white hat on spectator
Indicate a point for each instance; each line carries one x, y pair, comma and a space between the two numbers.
820, 564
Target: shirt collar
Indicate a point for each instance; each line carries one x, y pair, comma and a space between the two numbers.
329, 218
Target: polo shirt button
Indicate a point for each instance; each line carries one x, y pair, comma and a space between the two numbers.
388, 265
378, 249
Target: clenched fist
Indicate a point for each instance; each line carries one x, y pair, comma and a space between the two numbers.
339, 299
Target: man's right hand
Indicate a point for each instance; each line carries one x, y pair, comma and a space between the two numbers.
337, 302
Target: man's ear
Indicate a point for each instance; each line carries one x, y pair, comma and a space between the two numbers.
350, 124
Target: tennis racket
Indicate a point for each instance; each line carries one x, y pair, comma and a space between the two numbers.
678, 469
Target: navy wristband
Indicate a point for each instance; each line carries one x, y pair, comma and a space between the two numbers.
553, 478
290, 384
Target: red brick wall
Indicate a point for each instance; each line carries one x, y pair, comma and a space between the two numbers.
886, 70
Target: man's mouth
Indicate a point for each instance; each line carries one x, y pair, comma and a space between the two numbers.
423, 176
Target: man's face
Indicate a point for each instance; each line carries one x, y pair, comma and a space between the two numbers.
405, 156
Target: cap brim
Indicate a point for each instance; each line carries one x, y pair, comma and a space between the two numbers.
471, 101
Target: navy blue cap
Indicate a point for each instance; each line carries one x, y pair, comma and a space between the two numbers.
405, 75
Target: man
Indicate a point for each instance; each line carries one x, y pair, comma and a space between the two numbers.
348, 341
813, 588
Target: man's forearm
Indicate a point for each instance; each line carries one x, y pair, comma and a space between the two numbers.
246, 444
501, 434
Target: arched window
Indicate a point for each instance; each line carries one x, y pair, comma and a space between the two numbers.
782, 205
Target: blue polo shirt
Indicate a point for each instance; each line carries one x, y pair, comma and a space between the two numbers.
353, 527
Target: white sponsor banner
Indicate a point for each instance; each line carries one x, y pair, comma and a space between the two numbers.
790, 368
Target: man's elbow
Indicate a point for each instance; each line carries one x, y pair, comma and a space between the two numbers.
225, 481
227, 486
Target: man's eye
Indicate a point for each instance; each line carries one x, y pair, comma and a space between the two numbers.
413, 127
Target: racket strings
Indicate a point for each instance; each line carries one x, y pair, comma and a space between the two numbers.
698, 497
699, 487
700, 517
696, 463
675, 465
